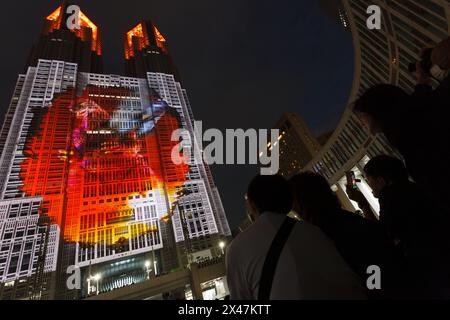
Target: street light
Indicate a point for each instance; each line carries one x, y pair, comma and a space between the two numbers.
222, 246
148, 269
96, 278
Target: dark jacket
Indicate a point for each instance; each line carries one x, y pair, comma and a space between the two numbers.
420, 233
421, 133
361, 243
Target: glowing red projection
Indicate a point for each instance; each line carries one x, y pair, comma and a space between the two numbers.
88, 158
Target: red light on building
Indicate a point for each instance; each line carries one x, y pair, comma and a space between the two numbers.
57, 20
88, 172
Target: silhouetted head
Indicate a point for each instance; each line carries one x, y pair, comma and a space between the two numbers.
313, 197
441, 54
268, 193
384, 170
380, 107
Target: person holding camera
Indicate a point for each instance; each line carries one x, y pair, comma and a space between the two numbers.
416, 124
414, 227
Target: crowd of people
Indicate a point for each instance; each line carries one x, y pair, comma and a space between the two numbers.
331, 253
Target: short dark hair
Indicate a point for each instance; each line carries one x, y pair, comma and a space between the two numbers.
270, 193
381, 102
389, 168
314, 195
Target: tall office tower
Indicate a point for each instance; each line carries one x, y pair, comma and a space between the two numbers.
58, 41
146, 51
202, 214
381, 56
92, 183
297, 145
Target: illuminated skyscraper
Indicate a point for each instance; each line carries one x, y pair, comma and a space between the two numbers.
164, 82
87, 176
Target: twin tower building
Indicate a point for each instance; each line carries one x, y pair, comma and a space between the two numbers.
87, 179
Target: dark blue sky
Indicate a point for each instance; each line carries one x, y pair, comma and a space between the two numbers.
242, 62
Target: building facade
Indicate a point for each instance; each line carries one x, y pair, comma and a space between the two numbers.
381, 56
88, 179
297, 145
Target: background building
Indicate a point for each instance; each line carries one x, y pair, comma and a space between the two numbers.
86, 171
297, 145
381, 56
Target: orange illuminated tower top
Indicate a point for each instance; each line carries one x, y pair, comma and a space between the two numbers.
88, 31
142, 36
64, 39
146, 51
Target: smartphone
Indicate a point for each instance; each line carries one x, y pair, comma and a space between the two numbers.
351, 179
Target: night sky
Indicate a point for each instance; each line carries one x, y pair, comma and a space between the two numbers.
242, 62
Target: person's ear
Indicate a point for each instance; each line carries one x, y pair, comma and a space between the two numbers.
296, 207
382, 182
252, 210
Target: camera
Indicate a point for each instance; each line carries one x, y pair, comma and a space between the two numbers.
425, 63
351, 179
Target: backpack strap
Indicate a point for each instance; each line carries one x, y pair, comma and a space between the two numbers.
272, 257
